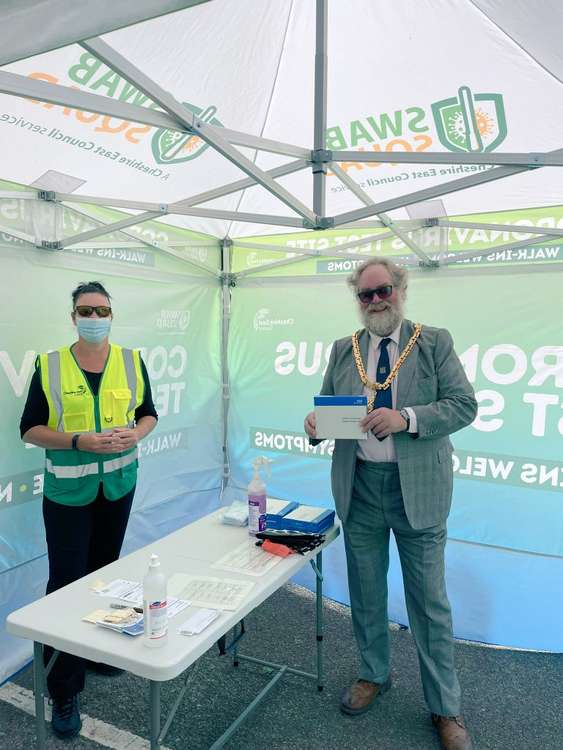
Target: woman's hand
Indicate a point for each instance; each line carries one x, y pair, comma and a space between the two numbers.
98, 442
107, 442
127, 437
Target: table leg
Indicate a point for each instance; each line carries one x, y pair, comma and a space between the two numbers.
39, 690
235, 647
319, 590
155, 714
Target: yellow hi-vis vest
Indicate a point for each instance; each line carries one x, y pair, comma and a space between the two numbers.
72, 477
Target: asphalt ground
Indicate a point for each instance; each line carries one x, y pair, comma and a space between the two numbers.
512, 699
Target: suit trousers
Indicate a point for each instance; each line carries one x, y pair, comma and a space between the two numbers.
80, 539
376, 508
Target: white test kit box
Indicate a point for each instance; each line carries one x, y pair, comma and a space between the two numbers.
339, 416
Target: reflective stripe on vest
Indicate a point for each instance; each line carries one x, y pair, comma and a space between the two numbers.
121, 461
84, 470
54, 369
71, 472
131, 375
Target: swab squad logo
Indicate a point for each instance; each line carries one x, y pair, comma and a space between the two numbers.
470, 122
173, 147
464, 122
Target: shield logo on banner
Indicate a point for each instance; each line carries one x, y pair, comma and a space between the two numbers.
470, 122
172, 147
184, 320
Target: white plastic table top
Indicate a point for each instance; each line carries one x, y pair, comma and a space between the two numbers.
55, 620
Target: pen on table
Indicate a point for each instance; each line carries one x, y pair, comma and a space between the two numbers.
126, 606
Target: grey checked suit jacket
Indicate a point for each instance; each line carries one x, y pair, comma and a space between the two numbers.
433, 383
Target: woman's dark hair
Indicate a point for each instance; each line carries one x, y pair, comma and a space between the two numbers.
89, 287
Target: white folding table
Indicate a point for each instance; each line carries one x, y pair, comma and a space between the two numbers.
55, 620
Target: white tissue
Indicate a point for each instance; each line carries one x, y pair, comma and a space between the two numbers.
236, 514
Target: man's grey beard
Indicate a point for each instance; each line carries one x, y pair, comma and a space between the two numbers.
383, 323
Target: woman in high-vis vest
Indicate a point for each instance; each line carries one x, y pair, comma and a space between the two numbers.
88, 405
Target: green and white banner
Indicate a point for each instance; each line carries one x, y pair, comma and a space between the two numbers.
507, 333
439, 243
167, 312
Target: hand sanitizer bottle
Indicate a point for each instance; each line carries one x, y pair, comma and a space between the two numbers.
154, 605
257, 498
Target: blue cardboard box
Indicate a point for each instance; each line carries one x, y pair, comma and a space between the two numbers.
276, 508
305, 518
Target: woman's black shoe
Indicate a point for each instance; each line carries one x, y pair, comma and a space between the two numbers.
65, 718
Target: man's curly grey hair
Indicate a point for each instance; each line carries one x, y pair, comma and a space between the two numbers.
399, 275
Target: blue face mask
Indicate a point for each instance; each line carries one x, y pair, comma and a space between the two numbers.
93, 330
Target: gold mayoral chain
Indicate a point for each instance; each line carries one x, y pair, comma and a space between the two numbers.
396, 367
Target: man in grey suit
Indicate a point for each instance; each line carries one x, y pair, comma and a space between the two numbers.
399, 478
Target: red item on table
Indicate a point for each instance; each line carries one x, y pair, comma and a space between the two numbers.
276, 549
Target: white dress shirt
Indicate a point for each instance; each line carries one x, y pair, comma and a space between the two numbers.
373, 449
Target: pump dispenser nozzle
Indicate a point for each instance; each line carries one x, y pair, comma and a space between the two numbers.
261, 462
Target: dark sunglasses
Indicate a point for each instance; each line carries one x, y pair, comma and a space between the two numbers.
383, 292
85, 311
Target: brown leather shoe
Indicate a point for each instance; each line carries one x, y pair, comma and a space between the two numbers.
452, 731
360, 696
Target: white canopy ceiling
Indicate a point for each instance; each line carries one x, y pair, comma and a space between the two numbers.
469, 80
536, 28
31, 27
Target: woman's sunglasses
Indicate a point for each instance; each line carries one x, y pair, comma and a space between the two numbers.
383, 292
85, 311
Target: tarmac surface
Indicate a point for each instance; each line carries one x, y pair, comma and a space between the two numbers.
512, 699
